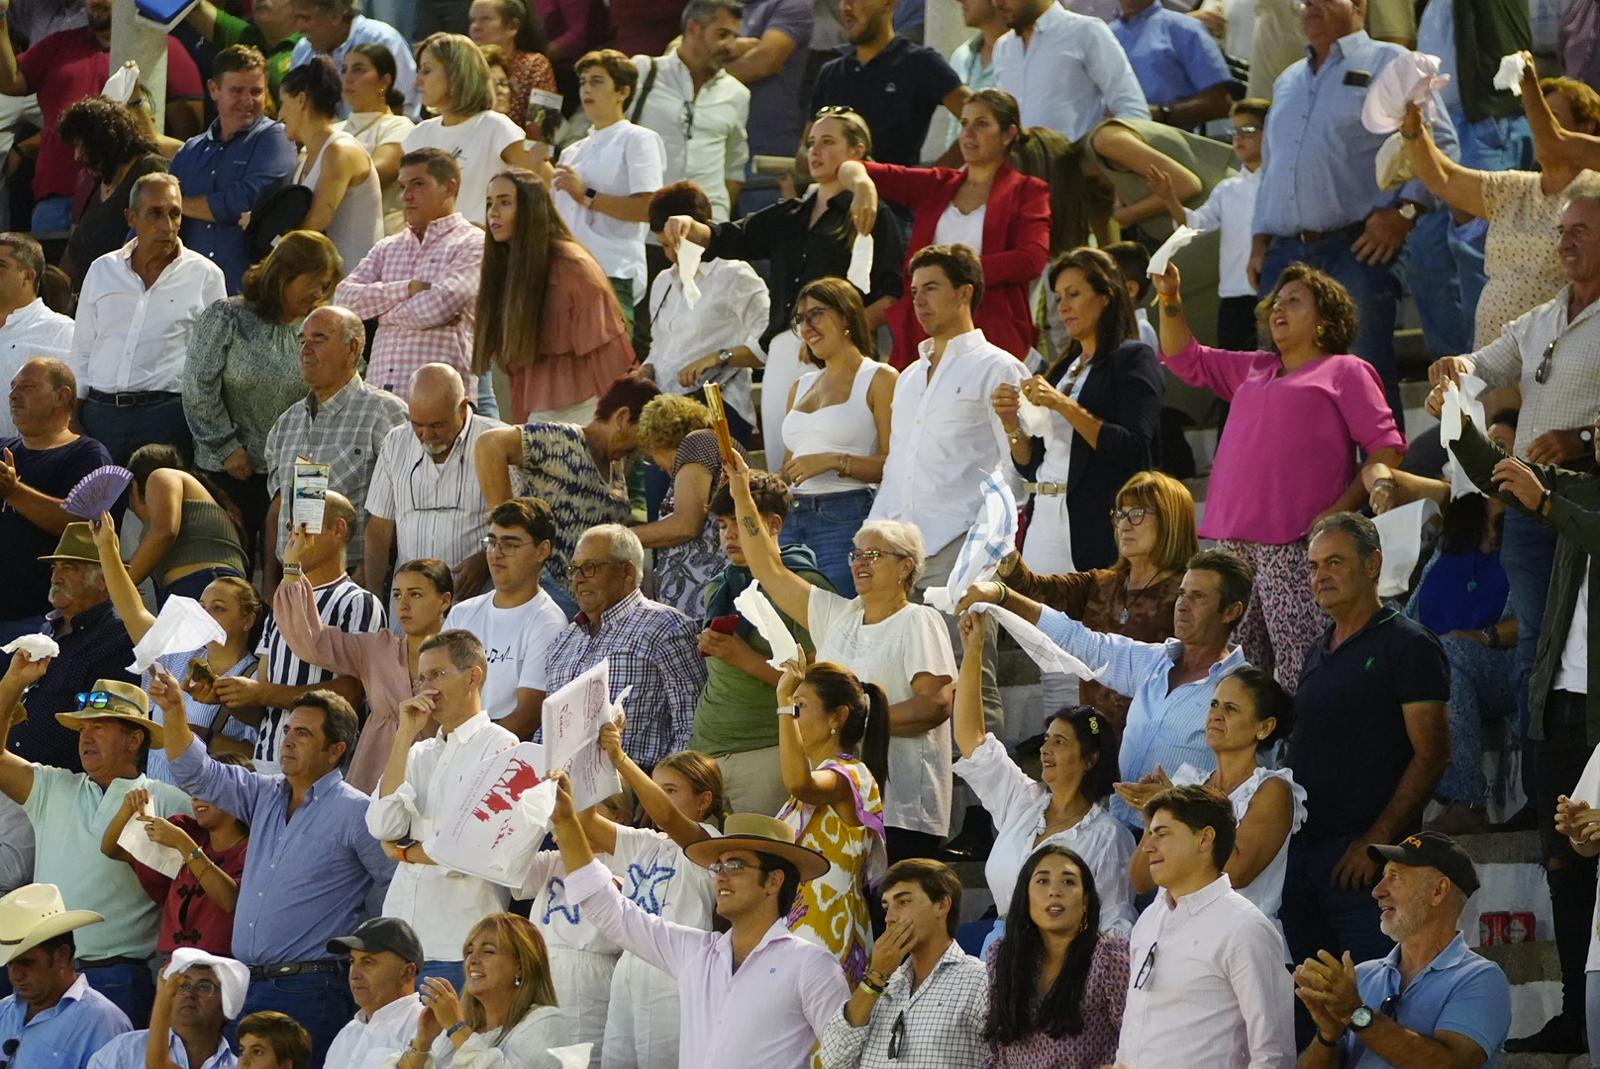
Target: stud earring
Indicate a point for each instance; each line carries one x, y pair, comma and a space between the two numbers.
517, 982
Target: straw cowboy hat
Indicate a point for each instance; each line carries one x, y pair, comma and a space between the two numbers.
762, 835
77, 544
112, 699
34, 913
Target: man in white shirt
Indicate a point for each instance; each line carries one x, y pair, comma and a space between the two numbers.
946, 437
1206, 982
27, 328
424, 499
385, 960
1066, 70
516, 621
136, 311
699, 109
756, 994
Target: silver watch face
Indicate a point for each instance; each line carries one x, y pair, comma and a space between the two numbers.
1361, 1018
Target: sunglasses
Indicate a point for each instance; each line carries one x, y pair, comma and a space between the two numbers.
1246, 130
834, 109
897, 1035
1145, 969
871, 556
717, 868
9, 1049
1542, 372
103, 699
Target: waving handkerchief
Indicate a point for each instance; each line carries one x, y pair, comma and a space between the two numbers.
755, 606
183, 625
1400, 536
135, 839
689, 255
97, 491
1460, 404
992, 536
37, 647
1036, 644
1033, 419
860, 273
120, 86
1409, 78
1509, 76
1175, 243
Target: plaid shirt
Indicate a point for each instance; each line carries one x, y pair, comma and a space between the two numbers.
345, 432
1568, 396
433, 326
653, 648
940, 1023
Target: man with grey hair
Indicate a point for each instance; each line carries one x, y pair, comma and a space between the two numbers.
342, 422
136, 311
652, 647
425, 499
1371, 739
332, 27
27, 327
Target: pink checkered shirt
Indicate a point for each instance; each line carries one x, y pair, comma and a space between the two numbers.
433, 326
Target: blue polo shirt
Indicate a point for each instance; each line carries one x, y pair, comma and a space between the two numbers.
1460, 991
230, 174
65, 1035
1173, 56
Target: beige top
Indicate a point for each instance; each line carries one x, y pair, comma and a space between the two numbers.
1519, 252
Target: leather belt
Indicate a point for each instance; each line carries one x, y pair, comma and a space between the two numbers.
1309, 237
133, 398
106, 963
1046, 489
295, 968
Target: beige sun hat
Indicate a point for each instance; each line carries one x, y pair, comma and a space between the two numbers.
34, 913
113, 699
760, 834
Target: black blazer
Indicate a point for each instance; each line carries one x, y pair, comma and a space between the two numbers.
1124, 389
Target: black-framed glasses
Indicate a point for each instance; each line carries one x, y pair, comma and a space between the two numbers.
1144, 969
588, 569
834, 109
688, 119
9, 1049
1542, 372
871, 556
1390, 1006
897, 1035
103, 699
1134, 516
496, 544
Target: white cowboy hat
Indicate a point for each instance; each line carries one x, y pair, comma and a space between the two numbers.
34, 913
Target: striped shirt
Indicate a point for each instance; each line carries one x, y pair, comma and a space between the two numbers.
341, 604
438, 508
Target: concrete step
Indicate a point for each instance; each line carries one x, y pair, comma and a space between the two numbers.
1544, 1061
1525, 963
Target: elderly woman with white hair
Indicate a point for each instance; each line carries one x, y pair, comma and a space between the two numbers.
883, 638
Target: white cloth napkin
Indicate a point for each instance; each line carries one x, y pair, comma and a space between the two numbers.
1400, 535
123, 81
136, 841
860, 273
1509, 76
756, 607
182, 625
1174, 244
233, 976
38, 647
993, 535
1409, 78
1037, 645
689, 255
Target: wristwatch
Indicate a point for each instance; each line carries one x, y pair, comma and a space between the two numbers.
788, 710
1408, 211
1586, 436
724, 357
589, 195
1361, 1018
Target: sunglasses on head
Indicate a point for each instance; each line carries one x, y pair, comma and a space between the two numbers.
103, 699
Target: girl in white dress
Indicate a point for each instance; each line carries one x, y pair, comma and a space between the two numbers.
347, 198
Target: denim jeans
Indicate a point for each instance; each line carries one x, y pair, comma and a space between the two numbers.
194, 584
485, 403
131, 985
828, 524
454, 971
1528, 553
51, 215
321, 1002
122, 429
1437, 290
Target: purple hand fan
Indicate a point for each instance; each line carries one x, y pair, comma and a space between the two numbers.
97, 491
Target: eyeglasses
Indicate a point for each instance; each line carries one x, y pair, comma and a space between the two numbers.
588, 569
871, 556
688, 119
1390, 1005
834, 109
1134, 516
1543, 371
102, 699
1246, 130
203, 988
810, 318
457, 457
1144, 970
494, 544
731, 866
897, 1035
9, 1049
437, 674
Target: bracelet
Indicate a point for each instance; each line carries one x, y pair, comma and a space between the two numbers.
293, 569
1491, 638
450, 1033
1016, 437
1325, 1041
1544, 499
1005, 593
844, 466
197, 854
414, 1049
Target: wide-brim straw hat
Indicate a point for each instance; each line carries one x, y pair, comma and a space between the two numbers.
129, 703
760, 834
34, 913
76, 544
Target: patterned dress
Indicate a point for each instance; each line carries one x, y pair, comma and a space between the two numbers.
831, 910
1104, 995
685, 570
558, 467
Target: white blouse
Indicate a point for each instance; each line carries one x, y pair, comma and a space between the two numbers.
956, 227
527, 1046
1017, 802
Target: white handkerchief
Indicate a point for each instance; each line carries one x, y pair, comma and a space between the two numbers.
38, 647
689, 255
1400, 535
860, 273
1170, 248
232, 974
1509, 76
992, 536
136, 841
182, 625
756, 607
1037, 645
1460, 404
120, 86
1033, 420
1411, 77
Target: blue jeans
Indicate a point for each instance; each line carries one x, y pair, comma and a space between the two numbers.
1528, 552
130, 985
1373, 287
51, 215
1446, 321
1592, 1001
122, 429
194, 584
454, 971
321, 1002
1481, 684
828, 524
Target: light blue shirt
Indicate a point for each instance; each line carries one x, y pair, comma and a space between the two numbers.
967, 62
365, 31
1173, 55
1320, 161
322, 854
1069, 75
1459, 991
65, 1035
1166, 727
127, 1052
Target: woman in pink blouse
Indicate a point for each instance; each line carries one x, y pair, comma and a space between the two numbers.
1289, 452
386, 663
1057, 983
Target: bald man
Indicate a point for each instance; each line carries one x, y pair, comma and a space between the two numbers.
425, 500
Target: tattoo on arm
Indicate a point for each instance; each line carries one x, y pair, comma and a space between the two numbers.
750, 527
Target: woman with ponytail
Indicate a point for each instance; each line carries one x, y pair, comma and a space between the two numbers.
833, 748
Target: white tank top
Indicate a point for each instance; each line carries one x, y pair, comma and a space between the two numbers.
844, 428
358, 223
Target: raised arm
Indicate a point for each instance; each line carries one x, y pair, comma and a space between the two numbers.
497, 452
804, 783
790, 593
1459, 187
132, 802
665, 815
157, 1047
968, 722
121, 586
16, 774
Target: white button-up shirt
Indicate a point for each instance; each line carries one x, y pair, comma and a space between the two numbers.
30, 331
367, 1041
770, 1013
438, 509
732, 311
703, 133
1070, 74
1230, 209
441, 904
129, 338
621, 160
1207, 985
946, 438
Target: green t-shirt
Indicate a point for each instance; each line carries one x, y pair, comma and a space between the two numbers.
232, 30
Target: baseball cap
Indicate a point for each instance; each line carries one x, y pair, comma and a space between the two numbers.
1436, 850
381, 933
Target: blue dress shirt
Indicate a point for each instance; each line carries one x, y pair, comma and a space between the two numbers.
1320, 161
1173, 56
65, 1035
127, 1052
1166, 726
365, 31
1460, 991
230, 175
321, 855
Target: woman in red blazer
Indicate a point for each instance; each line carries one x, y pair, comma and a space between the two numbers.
988, 205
